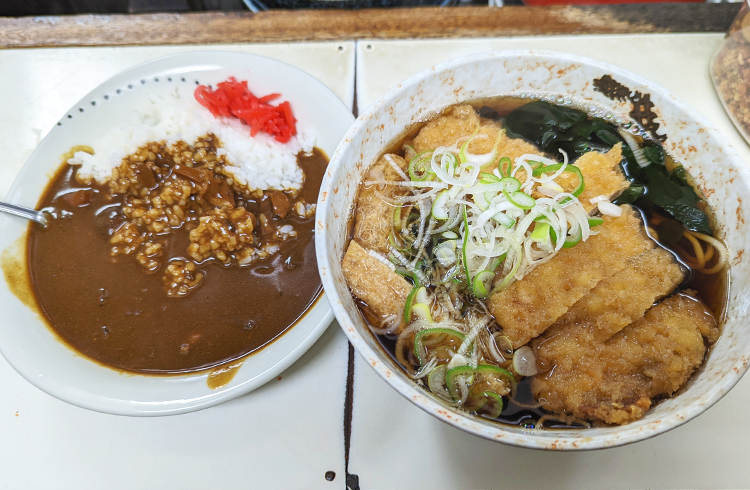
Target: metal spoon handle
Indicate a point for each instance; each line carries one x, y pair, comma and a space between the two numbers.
27, 213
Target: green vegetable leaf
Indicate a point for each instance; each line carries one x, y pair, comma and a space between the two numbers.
630, 195
552, 128
670, 192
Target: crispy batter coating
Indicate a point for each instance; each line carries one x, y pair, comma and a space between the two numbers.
526, 308
615, 381
614, 303
375, 283
373, 213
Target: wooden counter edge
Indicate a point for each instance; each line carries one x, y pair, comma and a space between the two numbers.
334, 25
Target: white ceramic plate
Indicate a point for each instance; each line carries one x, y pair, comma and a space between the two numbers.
28, 344
561, 78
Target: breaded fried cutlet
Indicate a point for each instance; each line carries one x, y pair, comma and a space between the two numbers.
615, 381
526, 308
615, 302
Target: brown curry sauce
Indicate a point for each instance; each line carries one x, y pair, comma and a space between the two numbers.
108, 309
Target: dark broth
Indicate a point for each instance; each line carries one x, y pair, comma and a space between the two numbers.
108, 309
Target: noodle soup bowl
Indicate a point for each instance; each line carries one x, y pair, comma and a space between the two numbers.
563, 79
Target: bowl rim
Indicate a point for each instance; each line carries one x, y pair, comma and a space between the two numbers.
548, 440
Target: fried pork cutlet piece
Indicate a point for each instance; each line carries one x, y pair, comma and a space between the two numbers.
375, 284
373, 213
526, 308
615, 381
614, 303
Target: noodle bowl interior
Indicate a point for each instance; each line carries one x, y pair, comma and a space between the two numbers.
529, 264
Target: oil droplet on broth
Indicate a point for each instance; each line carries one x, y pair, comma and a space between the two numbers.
222, 375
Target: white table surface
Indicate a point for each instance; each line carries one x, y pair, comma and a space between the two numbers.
290, 432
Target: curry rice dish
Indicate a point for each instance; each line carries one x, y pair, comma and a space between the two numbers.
531, 277
169, 262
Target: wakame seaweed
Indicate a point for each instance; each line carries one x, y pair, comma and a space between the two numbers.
553, 128
669, 191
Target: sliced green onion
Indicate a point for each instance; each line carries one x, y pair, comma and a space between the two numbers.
496, 263
452, 379
463, 250
534, 165
498, 372
501, 164
396, 220
422, 311
503, 344
439, 208
493, 405
450, 235
409, 301
486, 178
419, 168
595, 221
572, 240
510, 184
504, 219
445, 255
480, 198
483, 283
548, 169
436, 381
519, 199
419, 339
465, 146
524, 361
541, 232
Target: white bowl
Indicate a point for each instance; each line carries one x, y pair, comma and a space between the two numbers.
691, 139
25, 340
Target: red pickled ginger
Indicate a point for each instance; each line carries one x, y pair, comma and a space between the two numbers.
233, 99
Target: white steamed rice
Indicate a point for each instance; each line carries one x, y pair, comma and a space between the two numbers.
258, 162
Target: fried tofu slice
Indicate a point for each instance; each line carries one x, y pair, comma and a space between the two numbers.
459, 122
615, 381
526, 308
375, 284
514, 148
615, 302
601, 173
373, 212
601, 176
